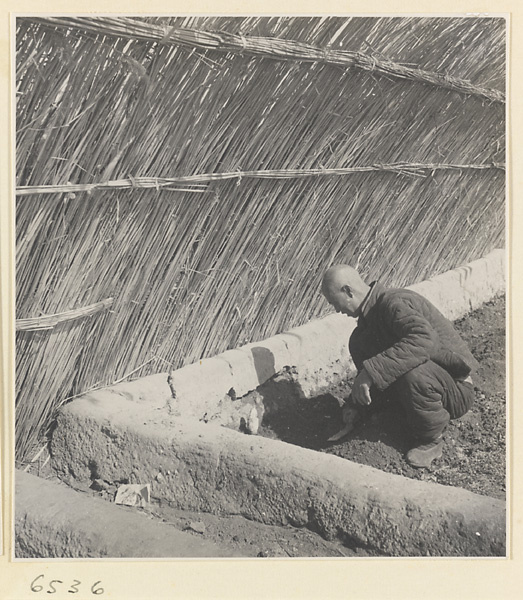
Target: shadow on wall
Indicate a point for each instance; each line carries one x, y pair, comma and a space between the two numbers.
263, 363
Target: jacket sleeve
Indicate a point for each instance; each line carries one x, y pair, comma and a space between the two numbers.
417, 340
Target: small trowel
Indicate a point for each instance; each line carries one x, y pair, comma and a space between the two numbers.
342, 433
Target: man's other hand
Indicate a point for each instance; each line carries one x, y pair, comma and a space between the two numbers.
361, 388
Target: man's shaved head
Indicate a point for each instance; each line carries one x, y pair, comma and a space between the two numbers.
344, 288
340, 275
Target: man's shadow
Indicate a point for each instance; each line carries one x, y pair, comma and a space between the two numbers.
309, 422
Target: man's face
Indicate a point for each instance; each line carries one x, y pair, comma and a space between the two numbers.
342, 300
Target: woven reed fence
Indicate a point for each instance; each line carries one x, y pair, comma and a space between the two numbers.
175, 200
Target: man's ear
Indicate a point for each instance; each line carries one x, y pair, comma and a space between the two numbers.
347, 289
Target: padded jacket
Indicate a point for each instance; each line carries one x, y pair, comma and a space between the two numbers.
399, 330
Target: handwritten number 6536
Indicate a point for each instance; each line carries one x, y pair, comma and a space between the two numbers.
96, 588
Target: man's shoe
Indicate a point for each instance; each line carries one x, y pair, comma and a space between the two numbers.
422, 456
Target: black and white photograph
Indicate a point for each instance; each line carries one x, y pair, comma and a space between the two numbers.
260, 287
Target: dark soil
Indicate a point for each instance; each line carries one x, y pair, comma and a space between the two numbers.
474, 452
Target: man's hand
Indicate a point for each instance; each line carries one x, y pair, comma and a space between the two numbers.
361, 388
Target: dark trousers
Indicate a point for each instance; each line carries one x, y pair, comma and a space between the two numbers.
431, 398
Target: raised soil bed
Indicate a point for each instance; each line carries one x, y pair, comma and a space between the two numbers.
474, 453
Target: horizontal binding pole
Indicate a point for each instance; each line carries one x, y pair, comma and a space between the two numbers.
407, 169
49, 321
267, 47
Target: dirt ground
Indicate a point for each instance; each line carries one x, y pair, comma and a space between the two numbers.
236, 533
474, 452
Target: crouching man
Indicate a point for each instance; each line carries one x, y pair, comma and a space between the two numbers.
404, 350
